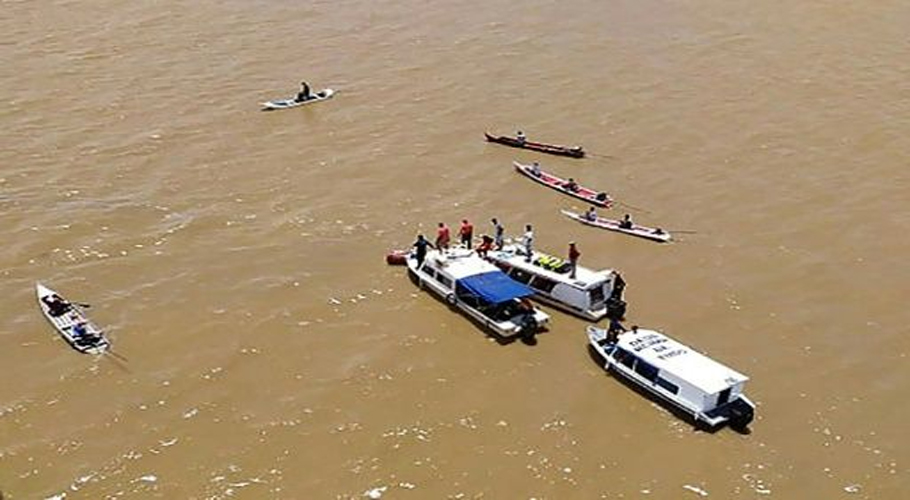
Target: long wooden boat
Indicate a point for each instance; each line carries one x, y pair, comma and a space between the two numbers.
651, 233
596, 198
572, 152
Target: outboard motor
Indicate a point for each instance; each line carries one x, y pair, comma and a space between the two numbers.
528, 325
741, 414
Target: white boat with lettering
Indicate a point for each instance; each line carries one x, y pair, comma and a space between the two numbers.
479, 290
591, 294
690, 382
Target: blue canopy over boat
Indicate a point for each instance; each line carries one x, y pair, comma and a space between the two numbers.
495, 287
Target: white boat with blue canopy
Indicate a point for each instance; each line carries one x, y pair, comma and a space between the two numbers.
707, 391
480, 291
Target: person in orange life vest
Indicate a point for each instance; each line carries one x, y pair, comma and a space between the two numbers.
466, 231
574, 254
442, 237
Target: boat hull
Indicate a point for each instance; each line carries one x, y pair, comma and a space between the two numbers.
596, 198
571, 152
650, 233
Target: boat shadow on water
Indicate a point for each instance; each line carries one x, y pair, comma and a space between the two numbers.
529, 340
697, 426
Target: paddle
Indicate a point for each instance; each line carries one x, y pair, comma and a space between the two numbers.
598, 155
633, 207
117, 356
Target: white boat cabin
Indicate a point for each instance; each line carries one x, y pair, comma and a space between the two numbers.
703, 388
480, 290
591, 294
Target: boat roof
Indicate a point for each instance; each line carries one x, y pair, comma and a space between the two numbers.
495, 287
584, 277
671, 356
460, 263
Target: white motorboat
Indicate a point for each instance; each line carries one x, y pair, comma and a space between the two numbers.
698, 386
479, 290
591, 294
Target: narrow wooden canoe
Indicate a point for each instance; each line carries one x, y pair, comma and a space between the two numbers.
293, 102
572, 152
93, 342
651, 233
591, 196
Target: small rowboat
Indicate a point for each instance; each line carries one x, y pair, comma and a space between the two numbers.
595, 198
293, 103
92, 342
651, 233
573, 152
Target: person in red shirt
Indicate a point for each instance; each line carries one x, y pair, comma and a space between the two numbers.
466, 231
442, 237
574, 254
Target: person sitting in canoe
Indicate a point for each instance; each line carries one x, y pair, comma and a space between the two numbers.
520, 137
570, 185
626, 222
304, 94
535, 169
591, 214
56, 306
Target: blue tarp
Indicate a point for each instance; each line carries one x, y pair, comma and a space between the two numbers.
494, 287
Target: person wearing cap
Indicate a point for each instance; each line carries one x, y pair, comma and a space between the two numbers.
574, 254
304, 93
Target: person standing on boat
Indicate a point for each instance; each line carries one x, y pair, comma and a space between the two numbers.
626, 222
466, 231
443, 237
614, 330
498, 233
520, 137
574, 254
486, 244
528, 242
591, 214
304, 94
420, 247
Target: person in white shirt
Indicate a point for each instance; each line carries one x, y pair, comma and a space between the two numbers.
528, 242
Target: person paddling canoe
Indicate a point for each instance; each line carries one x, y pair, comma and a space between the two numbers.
56, 306
304, 94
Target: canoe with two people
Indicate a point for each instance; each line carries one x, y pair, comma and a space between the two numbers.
625, 225
70, 322
569, 187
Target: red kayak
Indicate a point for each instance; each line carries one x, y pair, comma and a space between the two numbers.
574, 152
595, 198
